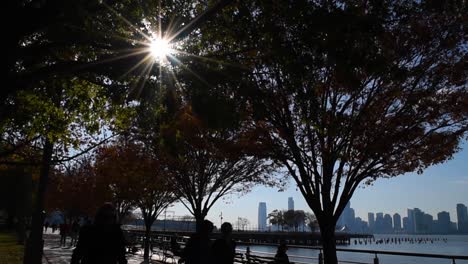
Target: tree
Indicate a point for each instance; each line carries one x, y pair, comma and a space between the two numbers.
117, 167
66, 188
208, 164
82, 41
348, 91
276, 217
242, 223
299, 219
154, 187
311, 221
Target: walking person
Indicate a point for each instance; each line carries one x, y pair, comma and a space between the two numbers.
198, 249
224, 248
281, 257
75, 229
63, 230
102, 242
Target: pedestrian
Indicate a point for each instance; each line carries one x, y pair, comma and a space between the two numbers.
198, 249
63, 229
281, 257
224, 248
46, 225
75, 229
175, 247
101, 242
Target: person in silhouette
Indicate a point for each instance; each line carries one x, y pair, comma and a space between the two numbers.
224, 248
101, 242
63, 229
281, 257
198, 249
75, 229
175, 247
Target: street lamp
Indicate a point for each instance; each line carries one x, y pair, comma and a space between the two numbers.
165, 212
221, 219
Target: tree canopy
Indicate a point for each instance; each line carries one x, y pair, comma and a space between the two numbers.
347, 92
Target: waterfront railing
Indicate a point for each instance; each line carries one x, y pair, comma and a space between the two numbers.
319, 259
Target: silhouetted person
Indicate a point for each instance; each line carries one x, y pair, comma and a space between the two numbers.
46, 225
75, 229
224, 248
102, 242
198, 248
63, 229
175, 247
281, 257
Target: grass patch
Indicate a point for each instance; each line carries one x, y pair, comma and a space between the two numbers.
10, 251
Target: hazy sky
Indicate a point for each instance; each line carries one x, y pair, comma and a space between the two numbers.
438, 189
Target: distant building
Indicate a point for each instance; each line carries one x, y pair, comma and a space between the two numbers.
388, 226
405, 224
462, 218
443, 223
379, 223
397, 222
371, 220
290, 204
423, 222
411, 224
360, 226
262, 216
347, 217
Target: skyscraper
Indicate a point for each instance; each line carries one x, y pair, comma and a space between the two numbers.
396, 222
371, 219
462, 218
379, 223
262, 216
410, 228
388, 224
345, 217
443, 223
290, 204
405, 224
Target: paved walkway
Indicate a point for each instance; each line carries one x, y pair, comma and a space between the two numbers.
55, 254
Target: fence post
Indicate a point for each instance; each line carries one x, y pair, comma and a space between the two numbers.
320, 257
376, 259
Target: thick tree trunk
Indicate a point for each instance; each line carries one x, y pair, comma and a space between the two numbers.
147, 242
199, 223
34, 245
329, 243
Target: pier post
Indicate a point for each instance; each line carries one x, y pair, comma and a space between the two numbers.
320, 258
453, 261
376, 259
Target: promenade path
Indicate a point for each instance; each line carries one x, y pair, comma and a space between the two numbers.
55, 254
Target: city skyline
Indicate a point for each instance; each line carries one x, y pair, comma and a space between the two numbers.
395, 195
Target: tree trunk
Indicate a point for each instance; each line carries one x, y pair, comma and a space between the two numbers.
34, 245
329, 243
147, 242
199, 223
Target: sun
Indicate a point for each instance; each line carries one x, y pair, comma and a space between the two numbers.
160, 48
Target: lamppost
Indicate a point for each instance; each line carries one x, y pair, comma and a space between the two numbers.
165, 212
221, 219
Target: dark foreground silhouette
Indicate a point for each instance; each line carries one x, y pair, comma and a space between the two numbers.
103, 242
224, 248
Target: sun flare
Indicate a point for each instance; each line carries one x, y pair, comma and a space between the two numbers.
160, 48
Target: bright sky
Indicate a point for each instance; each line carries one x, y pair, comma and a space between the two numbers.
438, 189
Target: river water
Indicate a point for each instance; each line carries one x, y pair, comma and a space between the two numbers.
454, 245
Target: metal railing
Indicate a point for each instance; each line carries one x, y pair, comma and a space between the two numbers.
375, 253
319, 258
